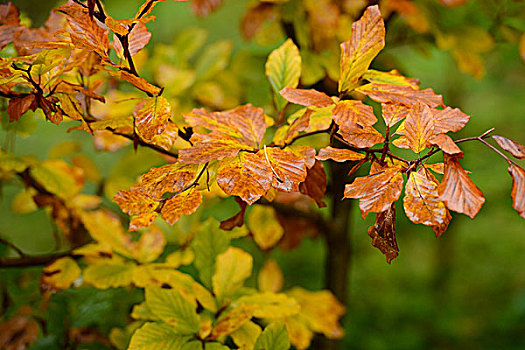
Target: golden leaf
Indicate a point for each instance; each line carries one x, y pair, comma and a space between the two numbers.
232, 268
419, 127
264, 226
270, 278
59, 275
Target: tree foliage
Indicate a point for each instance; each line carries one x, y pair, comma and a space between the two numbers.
198, 281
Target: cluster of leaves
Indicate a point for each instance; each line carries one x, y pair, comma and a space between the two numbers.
194, 280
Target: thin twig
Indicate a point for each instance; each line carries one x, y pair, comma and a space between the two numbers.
12, 246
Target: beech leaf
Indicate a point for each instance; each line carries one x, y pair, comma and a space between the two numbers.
458, 191
368, 38
212, 146
393, 77
338, 154
151, 116
518, 189
273, 337
315, 183
399, 94
308, 98
270, 278
419, 127
513, 147
59, 275
283, 68
446, 144
361, 136
289, 168
383, 233
349, 112
265, 227
393, 113
233, 267
449, 119
185, 203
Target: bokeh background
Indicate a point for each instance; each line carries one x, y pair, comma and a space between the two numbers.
464, 290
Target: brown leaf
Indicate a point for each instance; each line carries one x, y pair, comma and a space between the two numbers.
401, 142
457, 189
295, 230
393, 113
186, 203
9, 14
308, 98
18, 332
405, 95
135, 202
449, 119
138, 82
142, 220
137, 39
247, 175
368, 38
361, 136
338, 154
419, 127
151, 116
289, 168
422, 204
446, 144
438, 168
286, 133
212, 146
349, 112
518, 189
383, 233
202, 8
513, 147
255, 17
244, 122
19, 106
376, 191
314, 185
237, 220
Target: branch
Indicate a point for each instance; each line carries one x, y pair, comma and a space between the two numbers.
26, 261
12, 246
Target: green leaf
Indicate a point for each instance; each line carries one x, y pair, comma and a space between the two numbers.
172, 308
246, 336
273, 337
214, 60
156, 336
207, 244
283, 68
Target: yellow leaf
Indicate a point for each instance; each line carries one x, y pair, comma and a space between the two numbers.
106, 276
265, 227
150, 245
23, 202
271, 305
298, 331
60, 274
204, 297
156, 336
246, 335
180, 257
283, 68
368, 38
151, 116
232, 321
270, 277
232, 268
59, 178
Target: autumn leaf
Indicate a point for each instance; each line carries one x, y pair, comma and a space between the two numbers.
513, 147
246, 335
449, 119
237, 220
315, 184
212, 146
135, 202
111, 275
270, 278
518, 189
168, 178
19, 106
273, 337
271, 305
377, 191
283, 68
446, 144
393, 113
361, 136
151, 116
393, 77
138, 38
399, 94
138, 82
422, 204
419, 127
349, 112
233, 267
289, 168
185, 203
339, 154
19, 331
383, 233
156, 335
150, 245
232, 321
286, 133
202, 8
308, 98
59, 275
247, 176
457, 189
368, 38
265, 227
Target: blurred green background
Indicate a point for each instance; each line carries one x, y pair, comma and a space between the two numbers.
465, 290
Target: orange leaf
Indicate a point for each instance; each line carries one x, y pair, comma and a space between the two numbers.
518, 189
142, 220
19, 106
349, 112
168, 178
449, 119
137, 39
338, 154
360, 136
405, 95
457, 189
232, 321
138, 82
513, 147
308, 98
401, 142
255, 17
383, 233
368, 38
314, 185
212, 146
392, 113
419, 127
244, 122
247, 175
438, 168
376, 191
151, 116
135, 202
422, 204
186, 203
289, 168
286, 133
202, 8
446, 144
